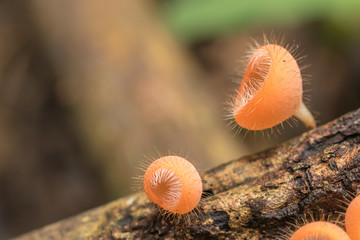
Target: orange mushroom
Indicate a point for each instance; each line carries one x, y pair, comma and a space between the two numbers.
352, 219
271, 91
174, 184
320, 230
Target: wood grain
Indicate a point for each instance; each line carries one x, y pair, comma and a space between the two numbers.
250, 198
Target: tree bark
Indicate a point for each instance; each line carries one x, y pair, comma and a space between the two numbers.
254, 197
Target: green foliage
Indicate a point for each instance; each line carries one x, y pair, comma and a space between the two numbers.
195, 20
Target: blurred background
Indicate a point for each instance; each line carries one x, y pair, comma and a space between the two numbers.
87, 88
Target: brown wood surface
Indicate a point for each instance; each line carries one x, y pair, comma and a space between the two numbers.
250, 198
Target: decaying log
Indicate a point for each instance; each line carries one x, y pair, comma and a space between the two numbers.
249, 198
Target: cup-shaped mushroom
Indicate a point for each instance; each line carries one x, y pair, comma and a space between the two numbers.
271, 91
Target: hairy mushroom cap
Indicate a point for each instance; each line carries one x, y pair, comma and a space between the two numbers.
174, 184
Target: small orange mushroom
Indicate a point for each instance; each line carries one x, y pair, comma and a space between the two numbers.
352, 219
174, 184
320, 230
271, 91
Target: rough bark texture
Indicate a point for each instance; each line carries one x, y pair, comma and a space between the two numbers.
250, 198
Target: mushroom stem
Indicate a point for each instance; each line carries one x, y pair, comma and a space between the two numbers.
304, 115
